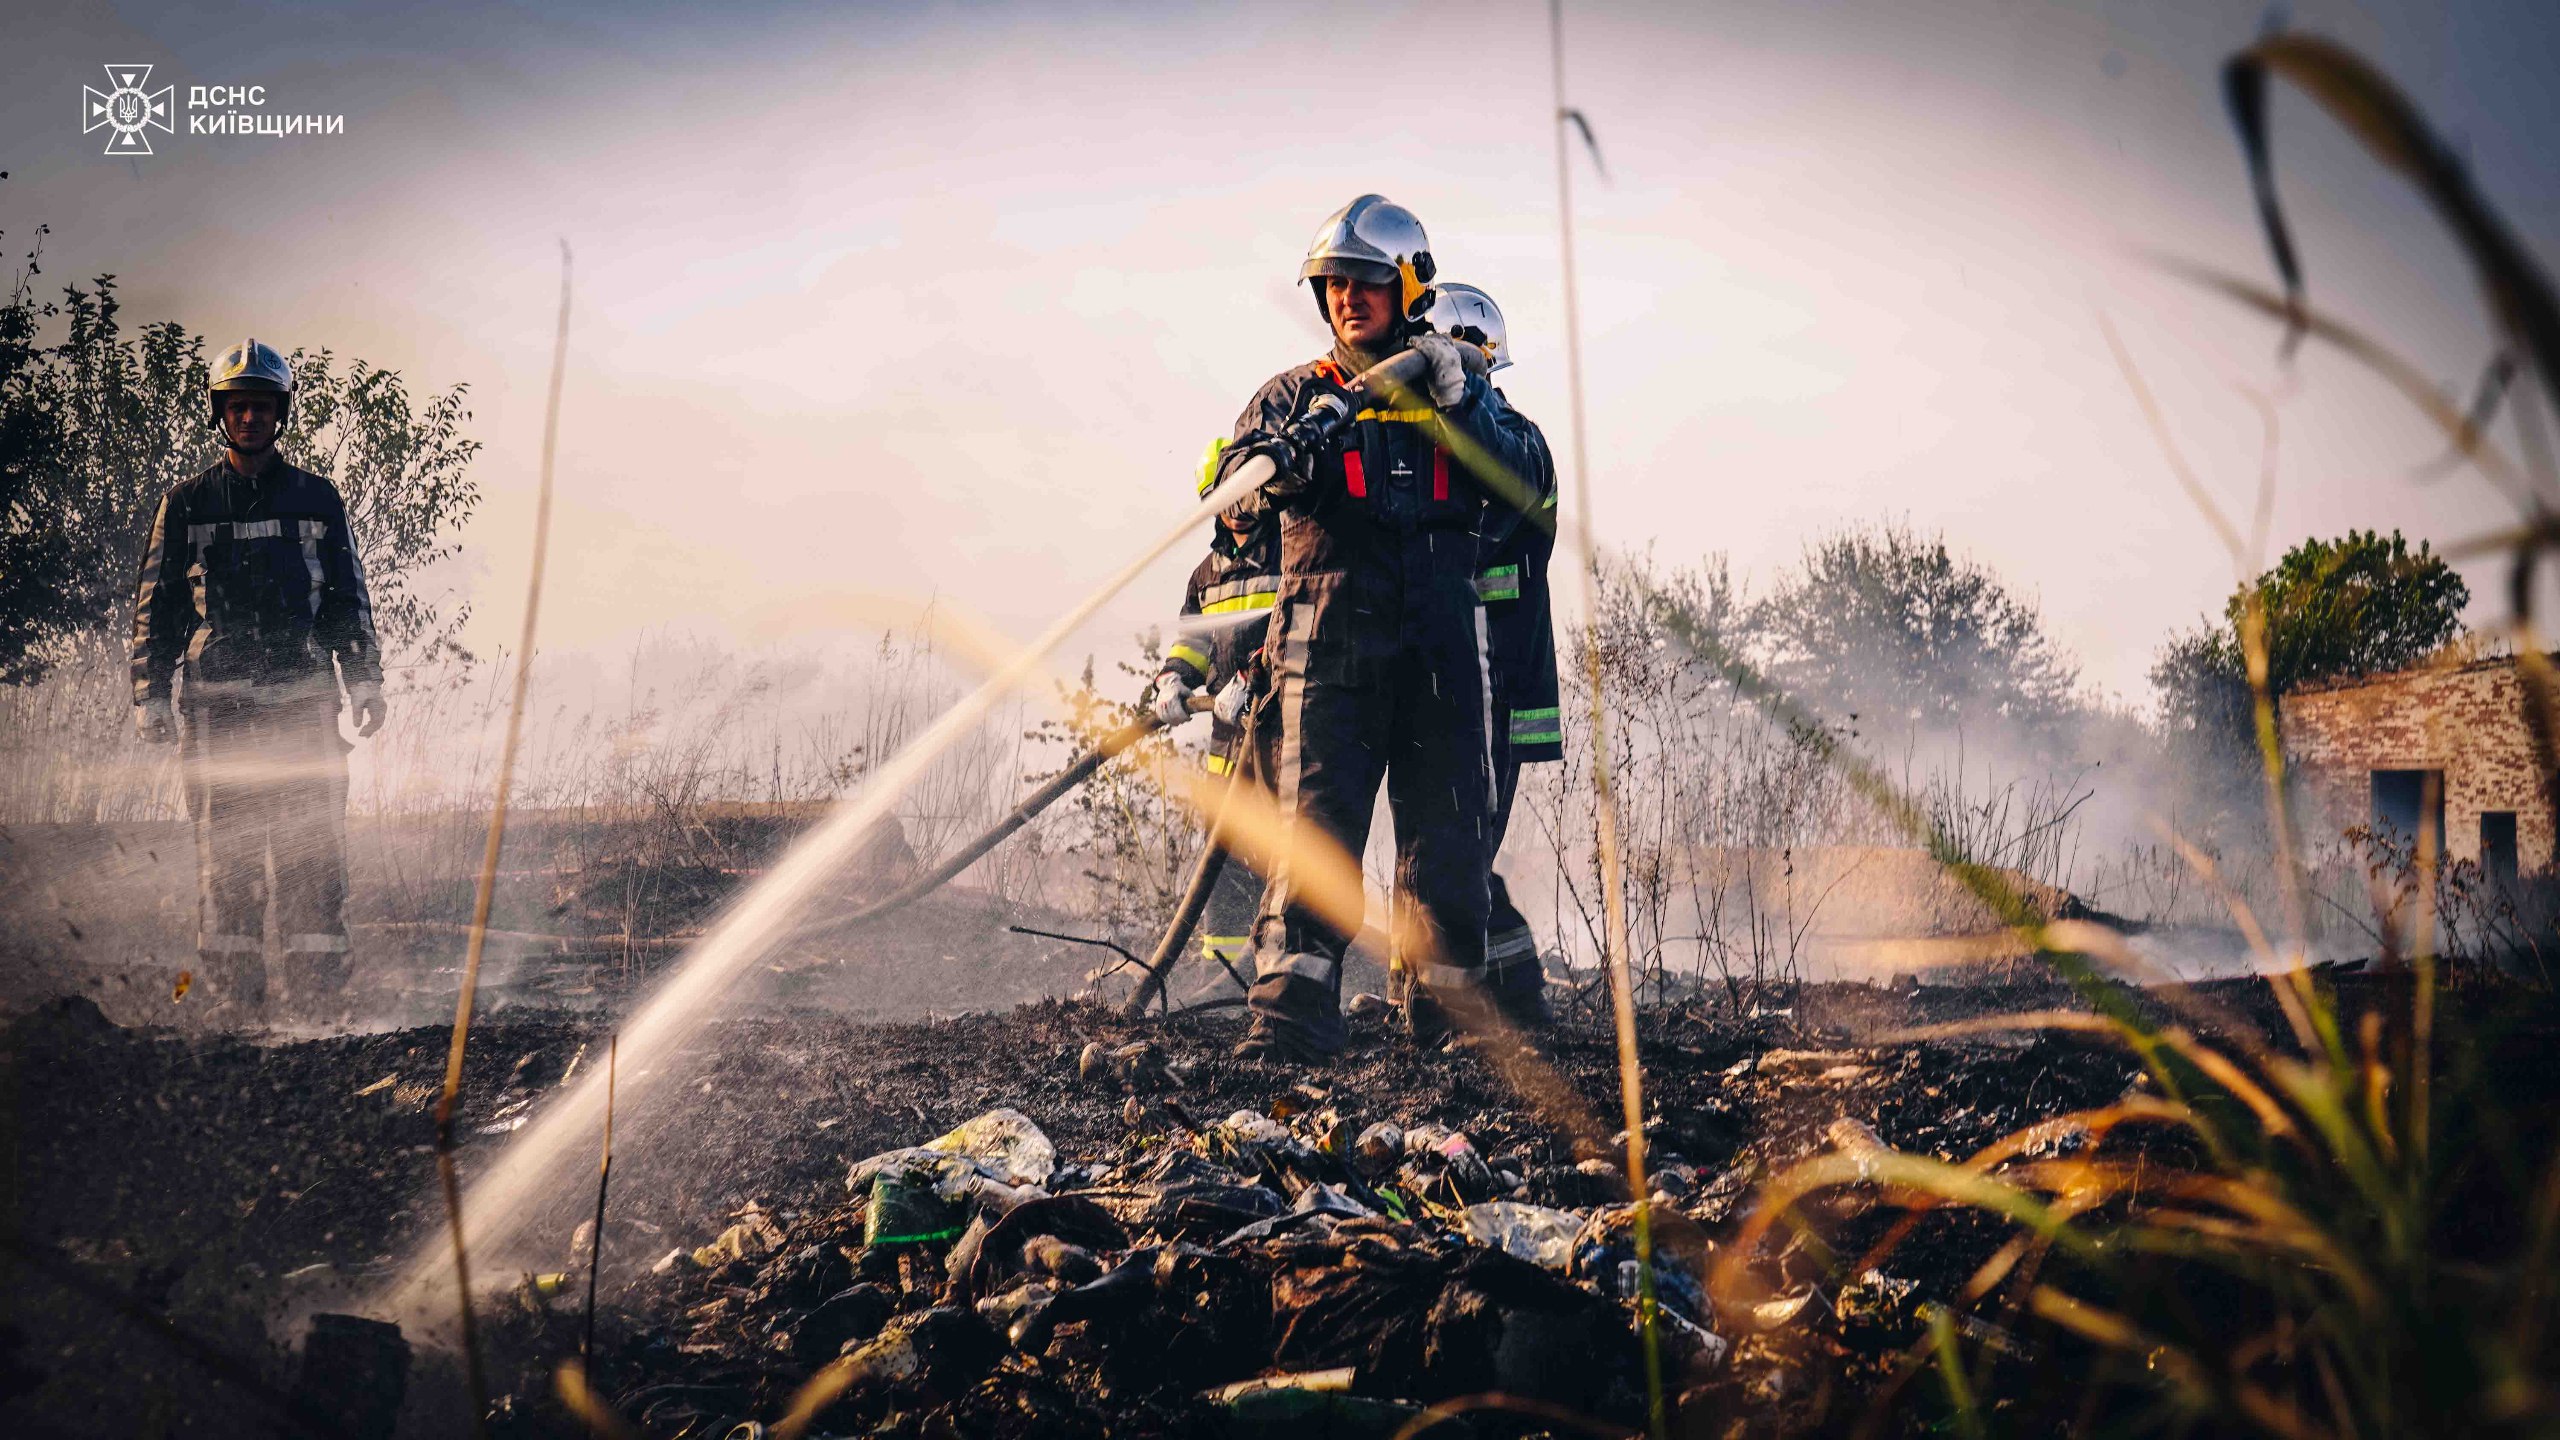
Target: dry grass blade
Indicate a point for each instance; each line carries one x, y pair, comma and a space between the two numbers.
1942, 1346
2412, 383
2096, 1124
1260, 832
604, 1178
1431, 1418
2149, 404
2393, 132
2288, 987
1617, 951
2172, 1364
814, 1395
445, 1104
570, 1384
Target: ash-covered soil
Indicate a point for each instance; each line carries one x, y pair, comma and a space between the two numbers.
178, 1206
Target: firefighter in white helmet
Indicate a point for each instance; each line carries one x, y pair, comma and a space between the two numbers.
1516, 541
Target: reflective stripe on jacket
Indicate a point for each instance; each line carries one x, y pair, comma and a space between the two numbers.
1512, 582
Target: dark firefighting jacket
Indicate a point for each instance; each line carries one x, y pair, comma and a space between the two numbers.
1377, 540
1520, 637
252, 585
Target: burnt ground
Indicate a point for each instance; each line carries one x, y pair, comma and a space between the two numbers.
178, 1205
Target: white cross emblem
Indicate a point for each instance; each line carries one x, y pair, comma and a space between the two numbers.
127, 110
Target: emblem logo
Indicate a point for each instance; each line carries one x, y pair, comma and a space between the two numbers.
126, 110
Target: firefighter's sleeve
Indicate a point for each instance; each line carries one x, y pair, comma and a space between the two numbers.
1533, 502
345, 622
1259, 427
1193, 653
1508, 464
159, 607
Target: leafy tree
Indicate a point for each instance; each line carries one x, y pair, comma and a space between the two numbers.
95, 428
35, 556
1897, 630
2363, 604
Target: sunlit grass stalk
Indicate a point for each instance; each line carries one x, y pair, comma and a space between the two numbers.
604, 1177
1622, 1000
446, 1103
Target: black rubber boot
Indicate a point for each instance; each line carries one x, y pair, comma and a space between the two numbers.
1294, 1019
1520, 992
1426, 1020
1444, 1015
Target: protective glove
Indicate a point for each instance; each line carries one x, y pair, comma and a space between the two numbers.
1289, 479
1169, 699
1452, 361
370, 711
1230, 705
155, 721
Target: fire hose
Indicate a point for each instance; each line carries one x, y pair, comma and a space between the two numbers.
1081, 769
1325, 415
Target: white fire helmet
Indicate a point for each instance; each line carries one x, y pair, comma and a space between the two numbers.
1463, 312
251, 365
1375, 240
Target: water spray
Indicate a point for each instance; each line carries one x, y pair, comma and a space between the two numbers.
537, 1165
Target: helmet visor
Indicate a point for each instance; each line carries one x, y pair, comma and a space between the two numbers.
1367, 272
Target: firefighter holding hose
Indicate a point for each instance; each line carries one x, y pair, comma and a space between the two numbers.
1517, 539
250, 612
1376, 642
1226, 604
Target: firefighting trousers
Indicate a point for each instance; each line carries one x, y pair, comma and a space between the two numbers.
1225, 932
1508, 942
267, 789
1419, 723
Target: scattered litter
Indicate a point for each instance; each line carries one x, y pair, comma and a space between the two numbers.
1338, 1378
1770, 1314
754, 1235
1380, 1147
1534, 1233
1006, 1144
378, 1086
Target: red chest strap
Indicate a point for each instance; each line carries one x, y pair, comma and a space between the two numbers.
1353, 476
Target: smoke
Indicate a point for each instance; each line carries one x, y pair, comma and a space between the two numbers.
1753, 860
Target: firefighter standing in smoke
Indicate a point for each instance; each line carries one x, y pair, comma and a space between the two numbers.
1376, 645
1517, 540
251, 589
1228, 600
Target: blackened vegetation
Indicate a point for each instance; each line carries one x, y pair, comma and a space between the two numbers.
171, 1197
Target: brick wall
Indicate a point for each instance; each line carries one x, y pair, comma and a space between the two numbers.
2467, 722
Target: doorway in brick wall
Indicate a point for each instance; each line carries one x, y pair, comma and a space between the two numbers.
2408, 815
2410, 805
2498, 849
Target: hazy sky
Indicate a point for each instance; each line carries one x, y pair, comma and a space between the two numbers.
946, 299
